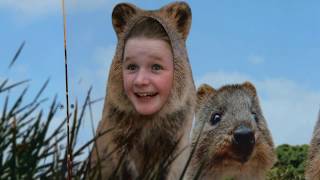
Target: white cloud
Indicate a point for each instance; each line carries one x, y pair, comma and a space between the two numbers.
85, 5
40, 8
290, 109
95, 75
254, 59
103, 56
217, 79
31, 7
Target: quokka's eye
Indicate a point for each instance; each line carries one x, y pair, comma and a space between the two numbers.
255, 116
215, 118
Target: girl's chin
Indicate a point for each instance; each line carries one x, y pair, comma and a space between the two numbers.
147, 109
147, 112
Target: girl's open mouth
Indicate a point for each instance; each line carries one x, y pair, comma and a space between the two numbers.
146, 94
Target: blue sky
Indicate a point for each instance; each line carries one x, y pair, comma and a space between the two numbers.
273, 44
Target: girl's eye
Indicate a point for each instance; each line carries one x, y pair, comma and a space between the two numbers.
156, 67
131, 67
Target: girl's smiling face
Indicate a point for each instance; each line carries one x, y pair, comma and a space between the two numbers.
147, 73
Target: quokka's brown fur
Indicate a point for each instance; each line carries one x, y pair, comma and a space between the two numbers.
136, 144
312, 171
234, 139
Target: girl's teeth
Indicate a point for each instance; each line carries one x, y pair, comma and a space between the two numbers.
145, 94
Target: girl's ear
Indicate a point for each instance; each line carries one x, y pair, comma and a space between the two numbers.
180, 14
121, 15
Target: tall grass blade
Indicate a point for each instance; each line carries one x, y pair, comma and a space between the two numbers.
17, 54
192, 151
3, 89
3, 84
69, 150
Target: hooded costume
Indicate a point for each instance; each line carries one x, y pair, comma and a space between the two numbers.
138, 146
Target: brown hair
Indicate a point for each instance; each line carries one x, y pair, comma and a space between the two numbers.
149, 28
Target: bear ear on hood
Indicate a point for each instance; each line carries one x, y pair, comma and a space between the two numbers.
121, 15
180, 14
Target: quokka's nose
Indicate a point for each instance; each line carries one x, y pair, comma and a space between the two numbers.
243, 137
243, 142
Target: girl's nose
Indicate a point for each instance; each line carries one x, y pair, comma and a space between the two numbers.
141, 78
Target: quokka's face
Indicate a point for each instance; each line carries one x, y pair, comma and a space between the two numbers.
233, 127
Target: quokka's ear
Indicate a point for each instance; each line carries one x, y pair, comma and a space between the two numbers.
180, 14
203, 91
121, 15
250, 87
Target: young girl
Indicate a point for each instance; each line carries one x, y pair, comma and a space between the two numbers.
150, 98
147, 67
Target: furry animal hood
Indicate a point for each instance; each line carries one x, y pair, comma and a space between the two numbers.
176, 20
